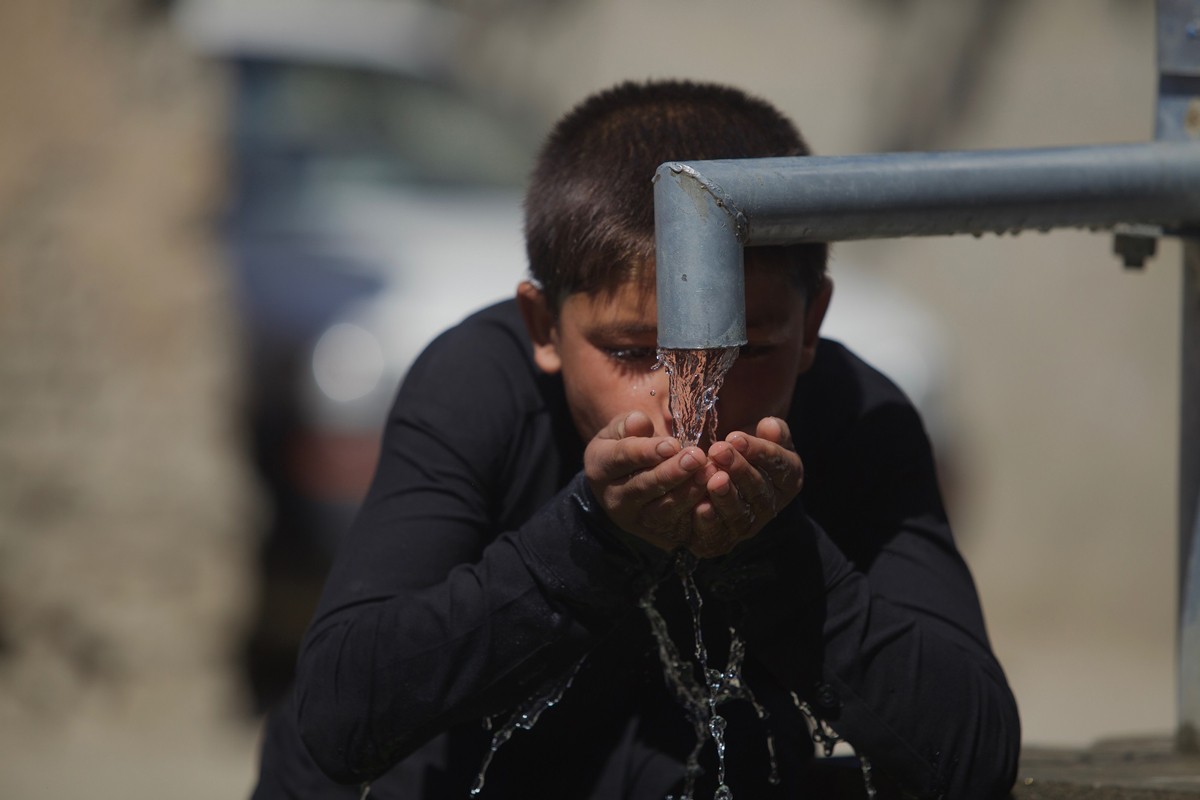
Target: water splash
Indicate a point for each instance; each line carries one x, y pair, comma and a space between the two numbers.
524, 717
685, 566
701, 696
866, 773
682, 683
825, 737
696, 377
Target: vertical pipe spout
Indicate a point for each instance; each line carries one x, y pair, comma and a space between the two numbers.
701, 282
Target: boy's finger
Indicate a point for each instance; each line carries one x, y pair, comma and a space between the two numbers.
753, 487
633, 423
733, 505
774, 430
611, 460
656, 482
711, 535
778, 463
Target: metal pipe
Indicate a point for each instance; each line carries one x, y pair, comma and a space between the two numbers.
1188, 733
1177, 118
706, 211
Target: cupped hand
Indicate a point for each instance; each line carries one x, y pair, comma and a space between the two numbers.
645, 483
748, 481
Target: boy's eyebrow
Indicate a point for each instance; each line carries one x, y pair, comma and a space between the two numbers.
770, 319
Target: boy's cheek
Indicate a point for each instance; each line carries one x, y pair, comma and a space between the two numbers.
756, 390
744, 413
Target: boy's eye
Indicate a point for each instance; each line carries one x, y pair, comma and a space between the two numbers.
631, 354
748, 351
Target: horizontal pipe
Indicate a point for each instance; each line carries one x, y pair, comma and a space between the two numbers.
816, 198
706, 211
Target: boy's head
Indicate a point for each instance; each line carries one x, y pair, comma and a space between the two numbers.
589, 233
589, 211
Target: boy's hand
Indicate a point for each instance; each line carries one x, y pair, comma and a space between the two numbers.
646, 484
749, 480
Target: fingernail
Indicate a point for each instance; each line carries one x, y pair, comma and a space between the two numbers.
722, 490
722, 455
689, 461
665, 448
740, 443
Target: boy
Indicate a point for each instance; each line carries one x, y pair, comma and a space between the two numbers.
530, 494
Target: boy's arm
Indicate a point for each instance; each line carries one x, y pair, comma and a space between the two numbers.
890, 649
431, 615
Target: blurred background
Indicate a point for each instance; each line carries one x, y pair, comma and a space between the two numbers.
227, 226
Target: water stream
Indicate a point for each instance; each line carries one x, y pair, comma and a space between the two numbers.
825, 737
699, 688
695, 377
524, 717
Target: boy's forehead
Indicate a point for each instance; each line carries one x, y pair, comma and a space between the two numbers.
629, 307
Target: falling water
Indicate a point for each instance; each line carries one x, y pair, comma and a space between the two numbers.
683, 685
696, 377
827, 738
524, 717
685, 565
866, 773
700, 697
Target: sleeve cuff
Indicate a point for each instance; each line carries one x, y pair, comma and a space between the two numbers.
584, 561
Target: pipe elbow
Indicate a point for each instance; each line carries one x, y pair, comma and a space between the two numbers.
698, 261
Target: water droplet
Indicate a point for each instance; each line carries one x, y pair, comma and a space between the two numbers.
866, 773
652, 392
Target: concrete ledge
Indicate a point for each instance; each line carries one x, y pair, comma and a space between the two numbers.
1124, 769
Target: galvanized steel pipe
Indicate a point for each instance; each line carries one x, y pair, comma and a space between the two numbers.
707, 211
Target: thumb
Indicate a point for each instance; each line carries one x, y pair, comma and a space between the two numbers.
635, 423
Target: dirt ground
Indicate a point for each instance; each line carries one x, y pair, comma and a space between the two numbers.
127, 512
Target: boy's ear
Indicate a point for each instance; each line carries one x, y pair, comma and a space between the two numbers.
542, 325
814, 315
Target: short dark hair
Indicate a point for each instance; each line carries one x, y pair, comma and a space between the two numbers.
589, 210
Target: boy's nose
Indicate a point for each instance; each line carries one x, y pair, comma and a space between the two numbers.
660, 389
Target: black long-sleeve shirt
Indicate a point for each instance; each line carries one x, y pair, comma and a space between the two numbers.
480, 568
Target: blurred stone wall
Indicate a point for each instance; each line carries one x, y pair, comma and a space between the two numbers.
124, 507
